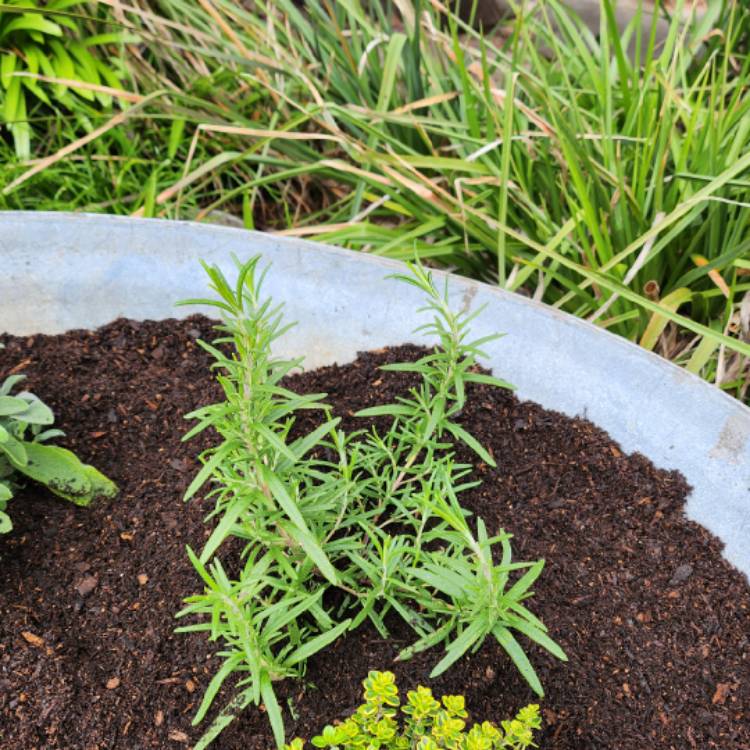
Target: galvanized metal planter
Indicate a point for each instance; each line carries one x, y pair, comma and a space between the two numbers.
63, 271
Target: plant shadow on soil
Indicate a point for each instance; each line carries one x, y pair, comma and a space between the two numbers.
655, 622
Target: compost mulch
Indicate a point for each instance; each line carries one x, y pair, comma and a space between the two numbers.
655, 622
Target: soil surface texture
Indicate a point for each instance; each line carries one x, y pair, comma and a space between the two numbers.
655, 622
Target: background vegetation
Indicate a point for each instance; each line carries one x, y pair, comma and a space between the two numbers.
556, 166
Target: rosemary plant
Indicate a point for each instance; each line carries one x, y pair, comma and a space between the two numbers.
374, 514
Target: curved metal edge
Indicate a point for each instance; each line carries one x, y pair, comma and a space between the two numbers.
64, 271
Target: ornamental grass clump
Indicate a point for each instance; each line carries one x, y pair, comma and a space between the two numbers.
425, 723
373, 514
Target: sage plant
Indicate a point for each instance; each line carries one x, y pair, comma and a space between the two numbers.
25, 453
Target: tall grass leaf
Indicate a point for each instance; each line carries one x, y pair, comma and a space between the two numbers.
613, 286
658, 321
33, 22
149, 196
7, 66
70, 148
176, 131
208, 167
508, 120
393, 59
701, 355
13, 95
713, 274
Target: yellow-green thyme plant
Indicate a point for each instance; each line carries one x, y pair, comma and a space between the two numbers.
373, 514
425, 723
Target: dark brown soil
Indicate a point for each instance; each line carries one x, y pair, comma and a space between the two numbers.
656, 624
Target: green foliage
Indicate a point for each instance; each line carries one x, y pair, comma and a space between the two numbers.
373, 514
426, 723
611, 188
47, 39
618, 195
25, 426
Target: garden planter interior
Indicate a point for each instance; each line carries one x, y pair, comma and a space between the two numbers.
74, 271
653, 620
